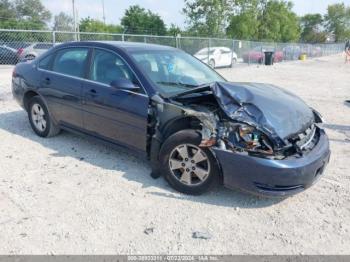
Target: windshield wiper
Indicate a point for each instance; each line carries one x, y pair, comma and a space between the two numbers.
176, 84
198, 89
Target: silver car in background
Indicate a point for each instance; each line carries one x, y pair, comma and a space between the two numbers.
33, 50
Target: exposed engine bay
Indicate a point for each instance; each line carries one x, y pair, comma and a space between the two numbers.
241, 118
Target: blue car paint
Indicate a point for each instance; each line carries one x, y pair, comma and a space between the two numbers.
274, 177
120, 117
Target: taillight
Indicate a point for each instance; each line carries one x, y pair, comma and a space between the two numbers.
20, 51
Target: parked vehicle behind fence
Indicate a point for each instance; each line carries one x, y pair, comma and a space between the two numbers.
217, 56
257, 55
33, 50
8, 55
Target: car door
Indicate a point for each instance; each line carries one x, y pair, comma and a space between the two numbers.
226, 55
61, 84
111, 113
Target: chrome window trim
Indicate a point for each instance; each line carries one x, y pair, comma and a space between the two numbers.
90, 63
91, 81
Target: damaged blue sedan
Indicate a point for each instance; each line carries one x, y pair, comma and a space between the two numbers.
196, 128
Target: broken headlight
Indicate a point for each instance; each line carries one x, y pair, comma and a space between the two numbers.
247, 138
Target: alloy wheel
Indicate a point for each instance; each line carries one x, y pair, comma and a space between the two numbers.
38, 117
189, 164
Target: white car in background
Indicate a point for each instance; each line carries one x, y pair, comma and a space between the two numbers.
34, 50
217, 56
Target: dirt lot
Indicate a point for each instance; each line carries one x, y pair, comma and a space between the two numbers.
71, 195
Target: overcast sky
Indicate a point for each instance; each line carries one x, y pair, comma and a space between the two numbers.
169, 10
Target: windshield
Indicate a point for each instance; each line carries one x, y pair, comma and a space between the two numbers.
174, 71
205, 52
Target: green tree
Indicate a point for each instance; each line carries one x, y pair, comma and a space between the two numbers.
311, 28
138, 20
7, 11
278, 22
63, 22
33, 12
208, 17
338, 21
174, 30
23, 14
244, 23
93, 25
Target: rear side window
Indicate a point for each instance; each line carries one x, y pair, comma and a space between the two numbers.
71, 61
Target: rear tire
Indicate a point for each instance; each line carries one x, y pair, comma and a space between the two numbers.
30, 57
187, 167
212, 63
40, 119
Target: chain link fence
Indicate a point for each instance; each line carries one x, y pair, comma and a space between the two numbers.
19, 45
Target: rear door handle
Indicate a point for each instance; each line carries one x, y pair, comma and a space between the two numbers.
92, 93
47, 81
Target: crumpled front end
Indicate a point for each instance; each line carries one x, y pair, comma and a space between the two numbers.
267, 141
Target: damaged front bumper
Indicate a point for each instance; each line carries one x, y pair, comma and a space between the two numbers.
277, 178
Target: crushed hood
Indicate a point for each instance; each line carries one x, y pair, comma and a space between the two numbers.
272, 109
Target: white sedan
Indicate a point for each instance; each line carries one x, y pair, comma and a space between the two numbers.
217, 56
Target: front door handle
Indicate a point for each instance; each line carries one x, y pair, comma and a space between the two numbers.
93, 91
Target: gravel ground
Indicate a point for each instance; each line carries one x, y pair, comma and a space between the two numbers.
70, 195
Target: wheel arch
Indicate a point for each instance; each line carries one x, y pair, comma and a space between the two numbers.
27, 96
179, 123
170, 128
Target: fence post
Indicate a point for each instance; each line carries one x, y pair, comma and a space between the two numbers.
233, 48
249, 50
209, 45
123, 37
53, 37
145, 39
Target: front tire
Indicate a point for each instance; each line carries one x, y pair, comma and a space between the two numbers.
187, 167
234, 61
40, 119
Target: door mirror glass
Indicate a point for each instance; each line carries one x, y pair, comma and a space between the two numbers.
124, 84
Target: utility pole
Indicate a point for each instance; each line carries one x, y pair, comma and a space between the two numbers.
103, 10
75, 19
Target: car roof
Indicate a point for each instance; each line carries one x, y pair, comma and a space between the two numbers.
214, 48
129, 46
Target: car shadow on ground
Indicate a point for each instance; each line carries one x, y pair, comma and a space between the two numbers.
132, 167
340, 129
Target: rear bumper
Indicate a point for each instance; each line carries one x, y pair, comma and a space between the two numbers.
274, 177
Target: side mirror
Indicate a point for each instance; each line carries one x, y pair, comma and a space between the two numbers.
124, 84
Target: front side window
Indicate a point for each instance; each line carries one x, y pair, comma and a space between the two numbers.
108, 67
174, 71
71, 61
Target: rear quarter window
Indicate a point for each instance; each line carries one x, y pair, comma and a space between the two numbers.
45, 63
